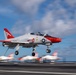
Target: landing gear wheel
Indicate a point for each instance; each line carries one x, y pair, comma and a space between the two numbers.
3, 44
33, 54
16, 52
43, 40
48, 50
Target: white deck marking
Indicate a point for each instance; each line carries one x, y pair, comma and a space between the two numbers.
37, 72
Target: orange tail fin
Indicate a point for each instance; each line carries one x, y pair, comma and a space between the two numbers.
8, 35
55, 53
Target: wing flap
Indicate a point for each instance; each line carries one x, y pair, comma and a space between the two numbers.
19, 42
5, 41
15, 42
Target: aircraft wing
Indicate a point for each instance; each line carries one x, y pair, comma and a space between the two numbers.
5, 41
20, 42
9, 41
12, 44
27, 41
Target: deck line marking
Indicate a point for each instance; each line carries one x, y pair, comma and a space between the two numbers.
37, 72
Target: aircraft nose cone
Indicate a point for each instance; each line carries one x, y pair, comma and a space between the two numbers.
59, 39
19, 58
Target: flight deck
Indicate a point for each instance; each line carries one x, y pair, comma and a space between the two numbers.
38, 68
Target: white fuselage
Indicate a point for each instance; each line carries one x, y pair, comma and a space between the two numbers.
3, 58
48, 57
26, 37
28, 58
26, 40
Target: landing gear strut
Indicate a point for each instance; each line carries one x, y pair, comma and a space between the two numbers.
33, 52
48, 50
6, 51
17, 48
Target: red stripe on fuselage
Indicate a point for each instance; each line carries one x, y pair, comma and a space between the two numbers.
53, 39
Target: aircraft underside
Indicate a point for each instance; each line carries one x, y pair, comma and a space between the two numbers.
17, 46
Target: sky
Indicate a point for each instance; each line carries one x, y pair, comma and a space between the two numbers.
55, 17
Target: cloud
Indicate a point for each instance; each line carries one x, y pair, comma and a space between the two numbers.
47, 25
71, 2
28, 6
58, 27
58, 21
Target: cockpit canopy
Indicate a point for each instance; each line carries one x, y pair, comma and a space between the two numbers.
39, 34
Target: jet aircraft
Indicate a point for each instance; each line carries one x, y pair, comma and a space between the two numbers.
7, 58
28, 40
24, 58
52, 57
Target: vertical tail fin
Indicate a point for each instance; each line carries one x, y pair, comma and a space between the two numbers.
8, 35
55, 53
11, 55
36, 54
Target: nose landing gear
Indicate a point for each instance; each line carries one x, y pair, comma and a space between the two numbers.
48, 50
17, 48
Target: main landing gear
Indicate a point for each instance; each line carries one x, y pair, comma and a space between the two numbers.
48, 50
16, 52
33, 52
17, 48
